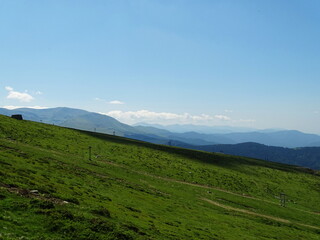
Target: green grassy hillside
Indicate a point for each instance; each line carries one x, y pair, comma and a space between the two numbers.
49, 189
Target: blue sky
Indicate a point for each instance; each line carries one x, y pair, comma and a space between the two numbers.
240, 63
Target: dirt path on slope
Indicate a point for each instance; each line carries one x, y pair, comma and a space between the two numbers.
196, 185
257, 214
148, 174
185, 183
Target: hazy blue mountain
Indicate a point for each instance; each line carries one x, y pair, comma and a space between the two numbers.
214, 138
287, 138
24, 111
270, 130
314, 144
297, 138
306, 157
148, 138
193, 138
99, 123
284, 138
84, 120
50, 115
152, 132
182, 128
80, 119
73, 118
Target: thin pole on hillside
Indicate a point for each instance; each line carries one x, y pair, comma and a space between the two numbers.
90, 153
283, 199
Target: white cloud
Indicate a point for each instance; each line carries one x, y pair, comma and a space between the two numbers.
39, 93
9, 89
22, 97
222, 117
15, 107
228, 111
132, 117
116, 102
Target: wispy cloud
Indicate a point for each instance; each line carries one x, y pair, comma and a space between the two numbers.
222, 117
165, 117
15, 107
117, 102
20, 96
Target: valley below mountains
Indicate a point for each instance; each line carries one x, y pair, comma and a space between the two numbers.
284, 146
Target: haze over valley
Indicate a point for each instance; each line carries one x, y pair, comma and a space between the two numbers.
270, 144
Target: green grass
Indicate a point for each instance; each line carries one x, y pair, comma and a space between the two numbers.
137, 190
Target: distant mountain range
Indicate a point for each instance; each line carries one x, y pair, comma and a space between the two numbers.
84, 120
235, 143
182, 128
306, 156
284, 138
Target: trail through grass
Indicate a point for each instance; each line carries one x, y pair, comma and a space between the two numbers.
135, 190
255, 214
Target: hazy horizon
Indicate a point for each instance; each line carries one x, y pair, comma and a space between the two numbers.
170, 126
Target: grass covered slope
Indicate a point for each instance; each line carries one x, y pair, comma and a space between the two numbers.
135, 190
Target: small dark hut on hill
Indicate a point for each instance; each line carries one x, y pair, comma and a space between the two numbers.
17, 116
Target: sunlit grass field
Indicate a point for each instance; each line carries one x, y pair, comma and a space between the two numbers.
51, 187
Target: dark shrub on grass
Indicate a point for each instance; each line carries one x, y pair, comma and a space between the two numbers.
73, 200
102, 212
123, 236
42, 204
61, 214
98, 225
